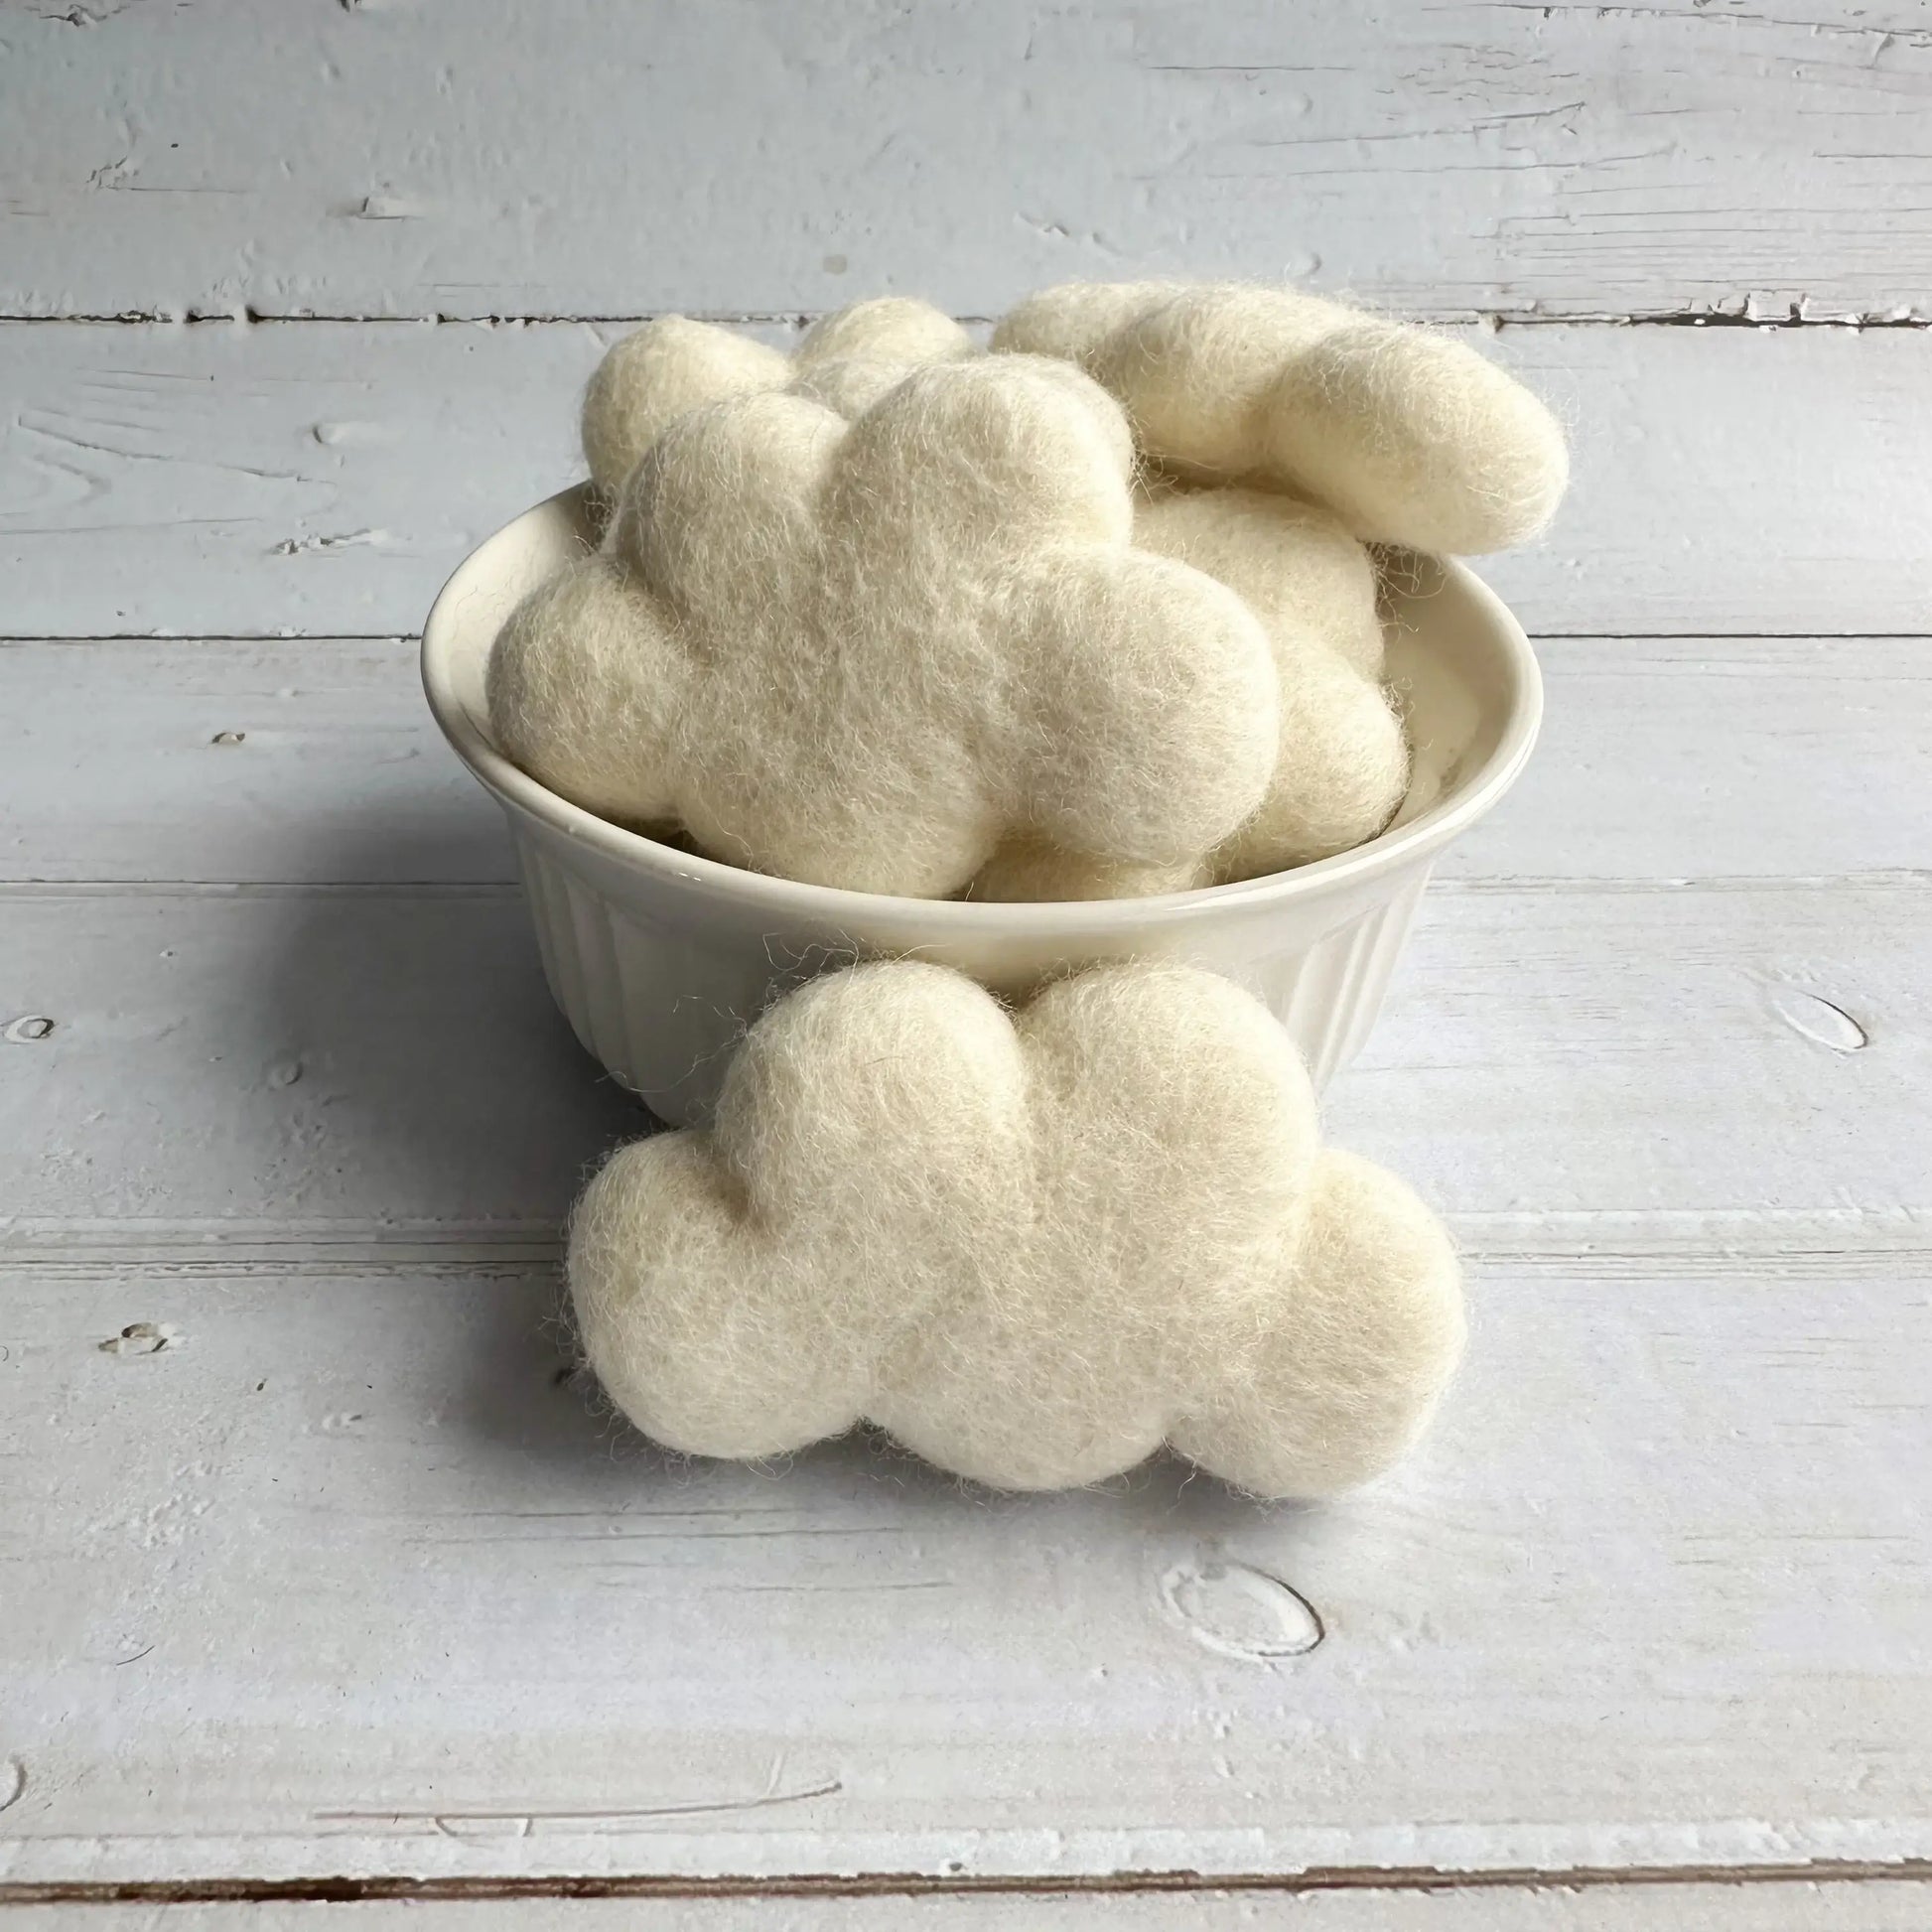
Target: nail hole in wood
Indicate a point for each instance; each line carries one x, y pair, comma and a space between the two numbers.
138, 1338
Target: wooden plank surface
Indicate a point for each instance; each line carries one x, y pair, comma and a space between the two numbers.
327, 1572
317, 761
217, 758
302, 1154
1792, 1906
324, 478
596, 158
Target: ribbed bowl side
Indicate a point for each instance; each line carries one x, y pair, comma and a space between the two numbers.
661, 1005
662, 1001
1328, 995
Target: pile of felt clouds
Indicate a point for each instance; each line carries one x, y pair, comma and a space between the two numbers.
1090, 613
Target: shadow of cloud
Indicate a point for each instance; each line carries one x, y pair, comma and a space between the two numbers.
532, 1402
441, 1095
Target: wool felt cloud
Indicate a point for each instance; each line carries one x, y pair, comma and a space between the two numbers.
1033, 1247
1409, 436
673, 366
1341, 762
864, 652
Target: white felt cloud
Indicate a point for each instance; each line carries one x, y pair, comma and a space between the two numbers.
673, 366
1342, 760
1410, 436
1032, 1248
865, 652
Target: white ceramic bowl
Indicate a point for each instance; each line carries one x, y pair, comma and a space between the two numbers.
660, 959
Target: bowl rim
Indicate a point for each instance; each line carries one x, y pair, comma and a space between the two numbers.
1475, 793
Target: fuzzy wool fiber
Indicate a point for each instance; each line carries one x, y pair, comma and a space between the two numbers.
1409, 436
1341, 764
1031, 1247
866, 652
673, 366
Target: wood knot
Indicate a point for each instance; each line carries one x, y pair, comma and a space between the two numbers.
1238, 1610
138, 1338
1817, 1017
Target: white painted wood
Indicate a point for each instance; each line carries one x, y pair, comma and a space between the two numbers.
223, 759
1689, 758
1559, 1070
309, 1563
1780, 1908
324, 1573
596, 157
324, 478
1707, 758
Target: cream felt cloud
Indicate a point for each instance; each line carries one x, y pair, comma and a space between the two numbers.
1410, 436
673, 366
1342, 760
1031, 1247
1294, 564
1341, 764
863, 653
658, 373
1036, 869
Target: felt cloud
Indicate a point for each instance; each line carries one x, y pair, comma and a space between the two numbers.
866, 651
1031, 1247
1341, 764
1409, 436
674, 365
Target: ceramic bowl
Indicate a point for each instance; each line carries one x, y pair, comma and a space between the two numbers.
660, 959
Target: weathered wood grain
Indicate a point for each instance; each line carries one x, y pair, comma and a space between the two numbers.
324, 478
1786, 1906
1561, 1069
229, 760
330, 1573
216, 759
592, 157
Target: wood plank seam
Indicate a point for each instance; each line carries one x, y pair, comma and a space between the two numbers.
1745, 314
907, 1885
537, 1256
